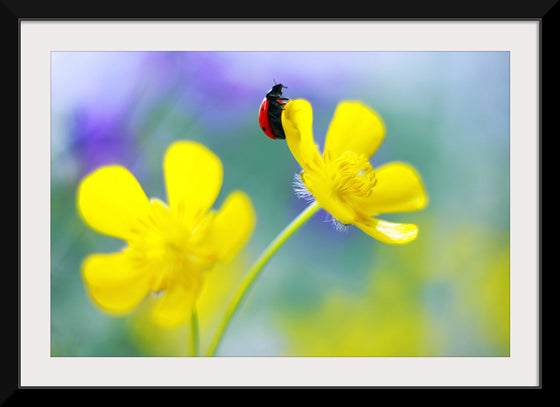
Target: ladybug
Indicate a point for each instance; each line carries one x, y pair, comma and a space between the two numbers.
270, 112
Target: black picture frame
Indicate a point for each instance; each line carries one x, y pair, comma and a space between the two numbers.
14, 12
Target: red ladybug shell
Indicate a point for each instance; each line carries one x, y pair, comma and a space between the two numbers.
263, 119
270, 113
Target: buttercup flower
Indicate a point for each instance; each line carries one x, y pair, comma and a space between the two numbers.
169, 246
342, 180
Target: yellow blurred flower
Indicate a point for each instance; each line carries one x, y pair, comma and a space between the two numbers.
221, 283
169, 246
384, 318
343, 181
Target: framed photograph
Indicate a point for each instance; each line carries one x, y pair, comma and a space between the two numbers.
280, 203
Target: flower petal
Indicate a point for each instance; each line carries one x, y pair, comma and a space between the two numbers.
176, 303
320, 187
354, 127
388, 232
113, 282
231, 227
193, 177
297, 121
399, 188
110, 200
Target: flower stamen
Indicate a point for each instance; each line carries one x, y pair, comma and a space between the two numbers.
352, 175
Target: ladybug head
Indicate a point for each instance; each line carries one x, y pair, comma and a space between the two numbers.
277, 88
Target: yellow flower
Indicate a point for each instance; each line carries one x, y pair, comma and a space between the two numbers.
342, 180
169, 246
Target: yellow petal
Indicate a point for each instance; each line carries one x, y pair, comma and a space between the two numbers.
176, 303
354, 127
297, 121
388, 232
231, 227
399, 188
320, 187
113, 282
111, 201
193, 177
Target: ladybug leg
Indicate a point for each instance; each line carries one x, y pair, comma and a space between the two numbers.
282, 102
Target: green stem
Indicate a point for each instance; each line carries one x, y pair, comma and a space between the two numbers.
256, 269
193, 334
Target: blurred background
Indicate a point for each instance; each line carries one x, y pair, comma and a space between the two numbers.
325, 292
